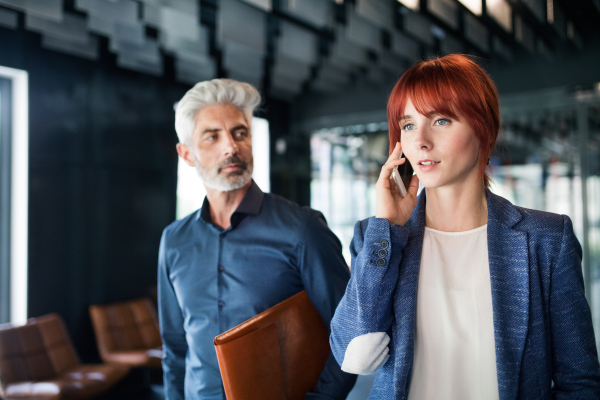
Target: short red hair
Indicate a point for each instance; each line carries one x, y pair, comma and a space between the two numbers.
451, 85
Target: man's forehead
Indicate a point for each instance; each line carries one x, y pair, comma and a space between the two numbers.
219, 115
220, 111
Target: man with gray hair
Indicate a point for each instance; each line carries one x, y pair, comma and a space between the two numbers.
241, 253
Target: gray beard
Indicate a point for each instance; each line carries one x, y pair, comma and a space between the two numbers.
225, 182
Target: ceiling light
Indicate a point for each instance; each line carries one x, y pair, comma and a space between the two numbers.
412, 4
473, 5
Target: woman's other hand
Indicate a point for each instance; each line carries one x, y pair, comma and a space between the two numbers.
390, 204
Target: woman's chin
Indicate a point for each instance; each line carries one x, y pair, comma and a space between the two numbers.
429, 183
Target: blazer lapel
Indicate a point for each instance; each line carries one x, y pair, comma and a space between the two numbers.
509, 276
405, 296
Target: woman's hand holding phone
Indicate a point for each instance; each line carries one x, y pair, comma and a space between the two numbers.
390, 204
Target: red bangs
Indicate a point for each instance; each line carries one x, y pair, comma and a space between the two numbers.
430, 97
452, 85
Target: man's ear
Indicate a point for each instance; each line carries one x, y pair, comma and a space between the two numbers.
184, 152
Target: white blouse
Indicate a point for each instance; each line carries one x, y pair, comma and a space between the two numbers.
454, 339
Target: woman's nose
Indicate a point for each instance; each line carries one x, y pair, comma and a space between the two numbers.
423, 139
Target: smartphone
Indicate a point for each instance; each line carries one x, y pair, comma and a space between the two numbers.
402, 175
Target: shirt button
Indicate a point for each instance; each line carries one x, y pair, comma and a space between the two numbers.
221, 303
221, 268
381, 262
382, 253
384, 244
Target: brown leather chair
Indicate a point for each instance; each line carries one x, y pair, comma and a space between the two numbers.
38, 361
127, 333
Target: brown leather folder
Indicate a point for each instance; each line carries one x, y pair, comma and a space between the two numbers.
276, 355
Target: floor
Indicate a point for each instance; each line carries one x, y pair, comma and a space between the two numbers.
146, 385
139, 384
132, 388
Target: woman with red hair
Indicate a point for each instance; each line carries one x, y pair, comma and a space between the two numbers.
457, 293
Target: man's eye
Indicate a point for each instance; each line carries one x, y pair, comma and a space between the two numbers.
211, 138
241, 134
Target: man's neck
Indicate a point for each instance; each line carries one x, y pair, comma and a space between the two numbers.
224, 204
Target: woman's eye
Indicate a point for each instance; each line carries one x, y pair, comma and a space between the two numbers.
442, 121
408, 127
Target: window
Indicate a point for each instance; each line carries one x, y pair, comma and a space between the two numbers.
14, 137
5, 200
190, 190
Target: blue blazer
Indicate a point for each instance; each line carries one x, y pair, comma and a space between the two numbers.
545, 346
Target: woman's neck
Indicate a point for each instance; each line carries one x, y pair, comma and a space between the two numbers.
456, 208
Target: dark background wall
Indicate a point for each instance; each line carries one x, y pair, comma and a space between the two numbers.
103, 176
568, 66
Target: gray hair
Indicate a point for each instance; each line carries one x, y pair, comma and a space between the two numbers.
217, 91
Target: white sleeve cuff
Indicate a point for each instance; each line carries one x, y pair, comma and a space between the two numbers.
366, 353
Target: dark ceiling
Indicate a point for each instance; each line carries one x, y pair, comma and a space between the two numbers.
291, 47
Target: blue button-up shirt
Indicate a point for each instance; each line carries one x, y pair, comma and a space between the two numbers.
210, 280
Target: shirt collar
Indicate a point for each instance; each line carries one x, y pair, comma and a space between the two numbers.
250, 204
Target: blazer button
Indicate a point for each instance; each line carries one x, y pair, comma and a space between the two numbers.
221, 268
384, 244
381, 262
382, 253
221, 303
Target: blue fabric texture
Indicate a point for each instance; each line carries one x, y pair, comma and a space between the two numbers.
210, 280
544, 339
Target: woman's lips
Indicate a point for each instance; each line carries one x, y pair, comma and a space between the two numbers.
427, 168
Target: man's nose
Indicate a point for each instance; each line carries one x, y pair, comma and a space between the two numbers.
231, 145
